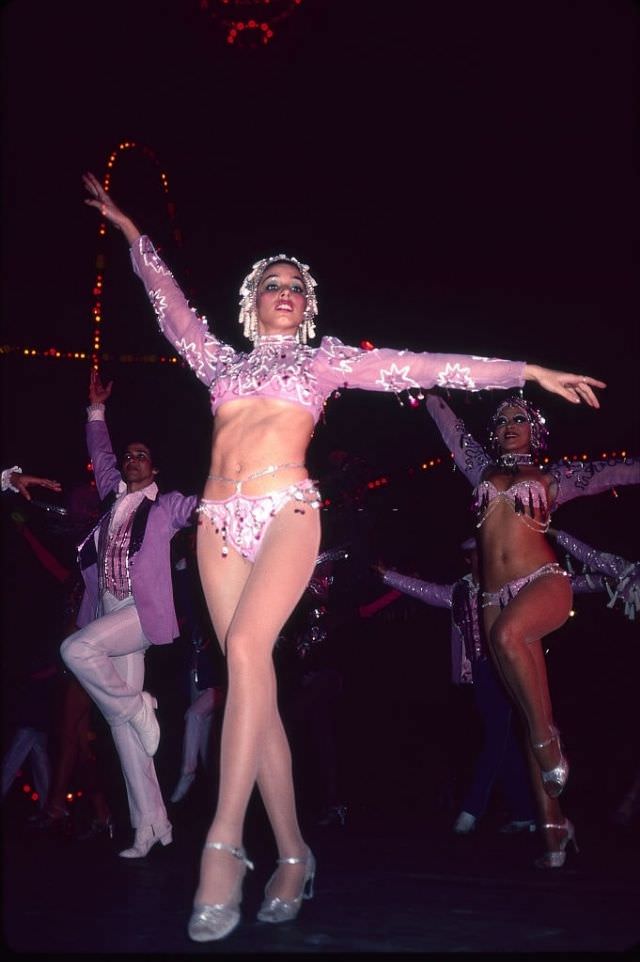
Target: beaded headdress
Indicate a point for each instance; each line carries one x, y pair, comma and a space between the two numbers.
249, 292
535, 417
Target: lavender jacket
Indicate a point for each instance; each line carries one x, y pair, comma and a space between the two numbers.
149, 561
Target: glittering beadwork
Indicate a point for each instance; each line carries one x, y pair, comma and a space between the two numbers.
508, 591
511, 462
278, 366
249, 292
242, 520
262, 473
577, 478
521, 497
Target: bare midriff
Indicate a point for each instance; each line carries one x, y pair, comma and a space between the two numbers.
508, 547
251, 434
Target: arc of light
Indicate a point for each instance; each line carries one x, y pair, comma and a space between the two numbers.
98, 284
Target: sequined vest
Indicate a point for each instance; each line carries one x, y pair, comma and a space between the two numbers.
465, 616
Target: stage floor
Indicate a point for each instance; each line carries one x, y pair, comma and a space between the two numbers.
388, 883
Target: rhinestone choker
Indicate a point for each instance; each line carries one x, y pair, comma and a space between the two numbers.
513, 461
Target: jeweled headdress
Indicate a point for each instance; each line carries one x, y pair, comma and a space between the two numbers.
249, 291
535, 417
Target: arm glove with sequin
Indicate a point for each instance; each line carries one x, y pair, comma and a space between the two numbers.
620, 577
440, 596
469, 455
576, 479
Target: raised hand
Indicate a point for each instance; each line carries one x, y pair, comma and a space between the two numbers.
576, 388
100, 199
98, 392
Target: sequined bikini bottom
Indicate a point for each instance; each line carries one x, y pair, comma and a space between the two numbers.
508, 591
242, 520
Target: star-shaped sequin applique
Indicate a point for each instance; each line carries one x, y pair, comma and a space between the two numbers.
396, 378
455, 375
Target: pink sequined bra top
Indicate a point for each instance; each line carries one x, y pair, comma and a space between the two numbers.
527, 498
281, 367
278, 367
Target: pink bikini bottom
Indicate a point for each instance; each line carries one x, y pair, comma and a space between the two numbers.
505, 594
242, 520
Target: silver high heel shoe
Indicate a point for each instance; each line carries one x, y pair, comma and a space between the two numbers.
554, 779
557, 859
146, 837
211, 922
284, 910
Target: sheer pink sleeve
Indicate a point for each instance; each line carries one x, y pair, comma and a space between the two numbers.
338, 366
181, 325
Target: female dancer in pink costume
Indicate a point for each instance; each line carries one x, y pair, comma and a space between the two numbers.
260, 529
526, 593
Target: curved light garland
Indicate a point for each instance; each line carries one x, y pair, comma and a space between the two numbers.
249, 23
98, 285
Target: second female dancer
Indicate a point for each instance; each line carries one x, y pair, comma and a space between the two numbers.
259, 527
526, 593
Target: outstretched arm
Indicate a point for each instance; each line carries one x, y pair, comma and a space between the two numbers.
14, 480
440, 596
575, 479
608, 564
468, 454
184, 329
337, 366
603, 571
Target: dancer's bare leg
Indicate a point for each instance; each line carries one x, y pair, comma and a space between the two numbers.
515, 634
248, 605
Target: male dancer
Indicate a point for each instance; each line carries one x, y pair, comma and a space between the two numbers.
127, 606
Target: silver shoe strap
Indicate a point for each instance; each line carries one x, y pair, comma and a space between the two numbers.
554, 737
237, 852
294, 860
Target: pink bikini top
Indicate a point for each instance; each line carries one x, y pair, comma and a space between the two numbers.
526, 498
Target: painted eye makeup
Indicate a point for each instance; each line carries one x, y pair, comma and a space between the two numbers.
502, 421
295, 288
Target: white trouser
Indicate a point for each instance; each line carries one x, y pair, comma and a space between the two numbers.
107, 658
28, 743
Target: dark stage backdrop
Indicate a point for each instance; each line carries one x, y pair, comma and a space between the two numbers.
459, 176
